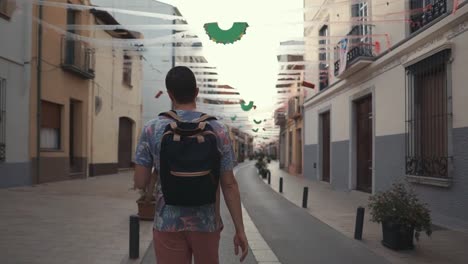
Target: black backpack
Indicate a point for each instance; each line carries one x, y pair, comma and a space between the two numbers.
189, 161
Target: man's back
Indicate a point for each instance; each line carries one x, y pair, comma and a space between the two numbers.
204, 218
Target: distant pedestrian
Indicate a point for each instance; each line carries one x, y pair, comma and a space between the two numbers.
193, 156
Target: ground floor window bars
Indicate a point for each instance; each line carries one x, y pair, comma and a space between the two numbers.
428, 112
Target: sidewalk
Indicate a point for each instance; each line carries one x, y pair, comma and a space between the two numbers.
78, 221
338, 210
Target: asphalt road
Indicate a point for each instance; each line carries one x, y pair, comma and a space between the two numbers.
294, 235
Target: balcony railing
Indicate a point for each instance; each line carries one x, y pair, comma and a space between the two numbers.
360, 48
427, 14
280, 118
77, 58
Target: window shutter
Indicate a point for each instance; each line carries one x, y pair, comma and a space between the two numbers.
51, 115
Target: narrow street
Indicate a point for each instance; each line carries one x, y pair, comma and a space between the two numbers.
294, 235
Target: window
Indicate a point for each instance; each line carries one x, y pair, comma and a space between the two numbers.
360, 12
70, 46
2, 120
323, 58
127, 70
427, 117
51, 123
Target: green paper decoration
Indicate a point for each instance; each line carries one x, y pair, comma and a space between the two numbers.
235, 33
255, 130
247, 107
233, 118
257, 122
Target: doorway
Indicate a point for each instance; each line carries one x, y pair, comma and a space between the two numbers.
75, 139
364, 144
125, 143
299, 151
325, 146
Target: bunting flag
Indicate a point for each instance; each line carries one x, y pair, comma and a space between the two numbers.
257, 122
308, 85
233, 118
247, 107
255, 130
235, 33
159, 94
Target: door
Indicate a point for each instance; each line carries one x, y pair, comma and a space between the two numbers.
125, 142
75, 149
364, 144
326, 141
299, 150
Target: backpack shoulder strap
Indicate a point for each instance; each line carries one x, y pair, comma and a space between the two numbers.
172, 115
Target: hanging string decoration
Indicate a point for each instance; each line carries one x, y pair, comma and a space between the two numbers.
233, 118
248, 107
235, 33
257, 122
255, 130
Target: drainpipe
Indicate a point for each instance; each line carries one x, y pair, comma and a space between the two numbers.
39, 95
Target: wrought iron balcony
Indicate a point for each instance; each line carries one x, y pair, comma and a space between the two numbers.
77, 58
280, 118
360, 51
427, 13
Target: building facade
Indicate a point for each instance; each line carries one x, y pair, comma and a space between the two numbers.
390, 105
15, 77
158, 59
116, 102
60, 93
290, 116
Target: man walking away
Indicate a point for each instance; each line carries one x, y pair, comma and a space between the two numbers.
192, 155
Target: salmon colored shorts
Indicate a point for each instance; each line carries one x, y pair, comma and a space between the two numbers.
179, 247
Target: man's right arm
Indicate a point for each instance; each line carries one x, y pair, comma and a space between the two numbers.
233, 202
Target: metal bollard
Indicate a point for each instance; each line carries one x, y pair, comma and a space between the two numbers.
359, 223
269, 177
305, 197
134, 240
281, 185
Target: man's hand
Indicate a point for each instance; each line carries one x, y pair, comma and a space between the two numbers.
240, 240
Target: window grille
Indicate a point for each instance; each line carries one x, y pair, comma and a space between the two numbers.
427, 117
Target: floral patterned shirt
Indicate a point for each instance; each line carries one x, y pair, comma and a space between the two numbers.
170, 218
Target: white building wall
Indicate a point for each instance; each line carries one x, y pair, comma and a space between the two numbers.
15, 56
158, 61
385, 79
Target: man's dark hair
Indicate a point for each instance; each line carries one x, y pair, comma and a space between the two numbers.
181, 82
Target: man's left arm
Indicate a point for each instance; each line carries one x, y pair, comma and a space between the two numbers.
143, 161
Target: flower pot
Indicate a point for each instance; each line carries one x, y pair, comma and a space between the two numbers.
397, 237
146, 210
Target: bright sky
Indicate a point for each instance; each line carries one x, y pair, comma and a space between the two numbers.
250, 65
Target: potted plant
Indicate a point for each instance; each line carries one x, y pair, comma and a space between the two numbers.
261, 166
402, 215
147, 201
